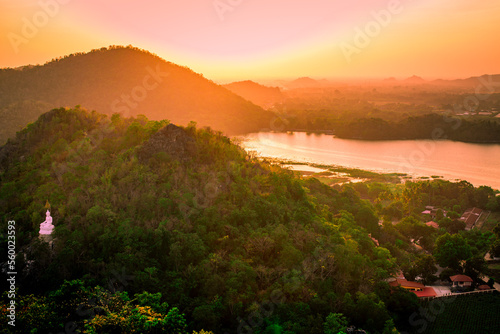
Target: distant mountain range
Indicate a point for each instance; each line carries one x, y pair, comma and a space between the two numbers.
307, 82
132, 81
492, 81
123, 80
414, 80
259, 94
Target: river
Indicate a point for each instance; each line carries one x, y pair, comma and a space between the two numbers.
478, 164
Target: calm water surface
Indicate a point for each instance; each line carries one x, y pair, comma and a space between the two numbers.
479, 164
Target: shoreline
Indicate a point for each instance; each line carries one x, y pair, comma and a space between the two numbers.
331, 133
353, 173
417, 159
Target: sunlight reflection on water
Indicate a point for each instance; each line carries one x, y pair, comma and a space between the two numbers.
479, 164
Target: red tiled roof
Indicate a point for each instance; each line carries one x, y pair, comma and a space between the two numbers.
395, 282
471, 216
471, 220
460, 278
403, 282
477, 210
426, 292
432, 224
484, 287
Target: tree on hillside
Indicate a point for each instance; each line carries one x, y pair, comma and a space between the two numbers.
367, 218
424, 265
475, 265
452, 226
335, 323
495, 246
451, 251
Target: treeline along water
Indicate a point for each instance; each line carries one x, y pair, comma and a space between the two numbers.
478, 164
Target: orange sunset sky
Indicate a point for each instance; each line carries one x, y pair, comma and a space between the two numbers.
262, 39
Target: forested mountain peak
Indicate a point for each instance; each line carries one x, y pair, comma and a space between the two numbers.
171, 140
219, 225
124, 80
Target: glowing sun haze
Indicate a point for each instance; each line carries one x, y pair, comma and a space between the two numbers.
259, 39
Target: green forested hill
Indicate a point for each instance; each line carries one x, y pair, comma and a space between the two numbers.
123, 80
190, 218
431, 126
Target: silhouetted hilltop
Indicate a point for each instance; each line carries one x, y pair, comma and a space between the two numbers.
304, 82
415, 80
260, 95
490, 82
124, 80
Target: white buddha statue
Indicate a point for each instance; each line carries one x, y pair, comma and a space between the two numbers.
46, 227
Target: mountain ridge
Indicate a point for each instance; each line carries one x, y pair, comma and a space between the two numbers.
261, 95
125, 80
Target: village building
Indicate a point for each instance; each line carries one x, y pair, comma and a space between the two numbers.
432, 224
483, 287
417, 288
471, 217
432, 211
408, 285
461, 280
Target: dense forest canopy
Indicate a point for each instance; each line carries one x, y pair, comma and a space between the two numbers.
175, 229
213, 229
431, 126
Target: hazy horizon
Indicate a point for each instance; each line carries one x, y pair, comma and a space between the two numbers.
264, 80
256, 40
